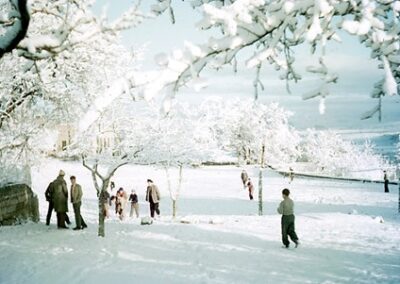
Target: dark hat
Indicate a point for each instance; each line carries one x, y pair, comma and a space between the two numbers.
149, 180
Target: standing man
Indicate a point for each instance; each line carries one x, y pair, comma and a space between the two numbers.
134, 203
287, 223
386, 180
153, 197
76, 200
49, 198
60, 199
244, 176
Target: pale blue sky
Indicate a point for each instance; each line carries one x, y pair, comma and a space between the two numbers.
357, 72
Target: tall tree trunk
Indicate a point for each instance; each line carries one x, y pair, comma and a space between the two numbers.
260, 182
173, 208
380, 109
262, 161
174, 195
174, 203
102, 229
260, 192
102, 226
171, 195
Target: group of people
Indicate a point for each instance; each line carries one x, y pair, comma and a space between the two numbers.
247, 183
120, 200
57, 196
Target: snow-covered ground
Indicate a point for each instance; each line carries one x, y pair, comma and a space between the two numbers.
349, 233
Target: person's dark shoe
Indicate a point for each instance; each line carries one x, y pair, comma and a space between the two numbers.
84, 227
297, 244
76, 229
63, 228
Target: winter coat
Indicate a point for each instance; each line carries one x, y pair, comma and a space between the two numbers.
49, 192
244, 176
122, 198
286, 207
60, 195
154, 193
133, 198
76, 194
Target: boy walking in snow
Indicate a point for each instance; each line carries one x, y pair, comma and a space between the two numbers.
287, 223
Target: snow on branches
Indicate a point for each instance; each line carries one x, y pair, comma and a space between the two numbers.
67, 58
270, 29
14, 23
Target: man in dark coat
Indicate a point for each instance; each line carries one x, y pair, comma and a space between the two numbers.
76, 200
153, 197
49, 198
386, 180
60, 199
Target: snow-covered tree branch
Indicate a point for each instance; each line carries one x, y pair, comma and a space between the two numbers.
14, 23
269, 30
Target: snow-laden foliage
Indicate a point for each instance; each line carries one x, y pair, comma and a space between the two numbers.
327, 153
269, 30
245, 126
242, 127
66, 60
177, 138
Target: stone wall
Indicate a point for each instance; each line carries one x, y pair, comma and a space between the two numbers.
18, 204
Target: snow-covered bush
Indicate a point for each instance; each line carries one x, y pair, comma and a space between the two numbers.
328, 153
244, 127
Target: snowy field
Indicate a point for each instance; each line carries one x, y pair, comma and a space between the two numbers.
349, 233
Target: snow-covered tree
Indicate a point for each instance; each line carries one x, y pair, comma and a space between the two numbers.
328, 153
177, 139
66, 59
115, 139
269, 30
245, 127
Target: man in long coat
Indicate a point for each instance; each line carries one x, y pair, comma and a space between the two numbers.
153, 197
76, 200
60, 199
